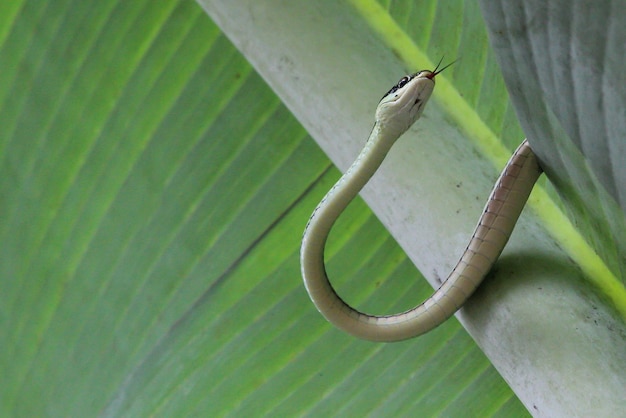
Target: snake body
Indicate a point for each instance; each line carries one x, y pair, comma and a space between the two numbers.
396, 112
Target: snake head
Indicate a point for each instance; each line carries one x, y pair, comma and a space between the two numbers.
404, 103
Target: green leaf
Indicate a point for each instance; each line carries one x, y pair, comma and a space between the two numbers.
153, 190
153, 195
550, 281
572, 110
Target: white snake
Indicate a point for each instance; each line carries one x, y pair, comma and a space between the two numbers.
396, 112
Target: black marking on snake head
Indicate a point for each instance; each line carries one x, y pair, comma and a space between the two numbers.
403, 82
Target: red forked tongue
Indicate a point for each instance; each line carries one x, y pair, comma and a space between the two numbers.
435, 72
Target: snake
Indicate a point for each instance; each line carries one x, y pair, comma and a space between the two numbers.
396, 112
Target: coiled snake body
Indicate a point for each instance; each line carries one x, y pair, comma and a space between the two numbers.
396, 112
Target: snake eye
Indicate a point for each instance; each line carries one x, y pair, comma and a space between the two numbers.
403, 81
